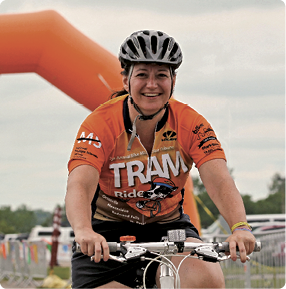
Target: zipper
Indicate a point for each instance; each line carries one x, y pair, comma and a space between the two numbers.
148, 160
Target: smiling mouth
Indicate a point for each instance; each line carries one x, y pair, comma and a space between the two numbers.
151, 94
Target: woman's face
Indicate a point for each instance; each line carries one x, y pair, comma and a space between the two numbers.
150, 86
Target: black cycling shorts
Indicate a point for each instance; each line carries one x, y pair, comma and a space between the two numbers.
88, 274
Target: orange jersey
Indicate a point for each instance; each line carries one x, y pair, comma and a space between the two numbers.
134, 185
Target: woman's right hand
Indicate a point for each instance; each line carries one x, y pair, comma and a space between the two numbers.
92, 243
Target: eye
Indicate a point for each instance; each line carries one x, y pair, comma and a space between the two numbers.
141, 74
163, 75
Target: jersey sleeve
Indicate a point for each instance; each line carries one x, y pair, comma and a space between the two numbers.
204, 145
87, 149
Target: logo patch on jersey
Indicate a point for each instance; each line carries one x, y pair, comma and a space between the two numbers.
91, 140
161, 188
197, 128
81, 152
203, 132
169, 135
206, 140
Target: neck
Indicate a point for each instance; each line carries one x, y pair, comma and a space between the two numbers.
145, 128
148, 124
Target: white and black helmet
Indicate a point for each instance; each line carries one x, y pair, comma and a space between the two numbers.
150, 46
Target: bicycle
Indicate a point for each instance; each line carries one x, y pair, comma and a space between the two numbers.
169, 247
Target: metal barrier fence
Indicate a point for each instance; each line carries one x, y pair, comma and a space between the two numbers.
23, 262
266, 269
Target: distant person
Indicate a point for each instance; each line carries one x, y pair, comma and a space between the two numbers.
129, 165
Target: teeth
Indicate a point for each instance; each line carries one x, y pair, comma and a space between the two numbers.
151, 94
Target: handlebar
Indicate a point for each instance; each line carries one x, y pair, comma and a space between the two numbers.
206, 251
188, 246
161, 247
170, 246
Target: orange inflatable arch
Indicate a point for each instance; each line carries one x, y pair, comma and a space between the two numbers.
45, 43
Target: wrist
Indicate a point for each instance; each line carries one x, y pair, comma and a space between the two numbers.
241, 225
242, 229
82, 229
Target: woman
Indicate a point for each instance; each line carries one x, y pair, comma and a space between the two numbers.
129, 165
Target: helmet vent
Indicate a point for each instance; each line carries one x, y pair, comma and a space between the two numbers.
142, 44
173, 51
154, 44
146, 32
132, 47
123, 51
165, 46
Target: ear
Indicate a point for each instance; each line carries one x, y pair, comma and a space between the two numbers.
125, 82
174, 80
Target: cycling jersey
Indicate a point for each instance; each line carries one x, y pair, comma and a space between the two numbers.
135, 186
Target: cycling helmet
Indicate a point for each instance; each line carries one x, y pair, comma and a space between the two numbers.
150, 46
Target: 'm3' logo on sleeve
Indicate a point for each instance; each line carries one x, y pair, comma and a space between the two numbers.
94, 141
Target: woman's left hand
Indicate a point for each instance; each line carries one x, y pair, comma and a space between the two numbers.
244, 240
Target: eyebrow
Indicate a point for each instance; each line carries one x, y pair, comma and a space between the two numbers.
144, 69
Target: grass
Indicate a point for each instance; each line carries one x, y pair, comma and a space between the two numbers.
62, 272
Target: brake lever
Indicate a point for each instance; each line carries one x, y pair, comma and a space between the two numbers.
208, 253
115, 258
131, 253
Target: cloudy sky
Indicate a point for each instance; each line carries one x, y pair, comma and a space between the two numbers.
232, 73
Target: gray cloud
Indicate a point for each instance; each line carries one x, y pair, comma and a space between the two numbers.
233, 73
162, 6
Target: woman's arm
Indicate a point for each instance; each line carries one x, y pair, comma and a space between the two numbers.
223, 192
81, 187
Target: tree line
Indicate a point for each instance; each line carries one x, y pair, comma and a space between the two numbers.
274, 203
23, 219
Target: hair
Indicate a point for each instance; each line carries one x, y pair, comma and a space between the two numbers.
122, 91
118, 93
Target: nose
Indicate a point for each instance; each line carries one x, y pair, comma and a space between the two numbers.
151, 82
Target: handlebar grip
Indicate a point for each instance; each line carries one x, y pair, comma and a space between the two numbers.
257, 247
112, 247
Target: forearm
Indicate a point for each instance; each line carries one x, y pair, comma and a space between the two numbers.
229, 202
223, 192
81, 187
78, 208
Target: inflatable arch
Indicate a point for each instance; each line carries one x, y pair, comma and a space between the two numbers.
45, 43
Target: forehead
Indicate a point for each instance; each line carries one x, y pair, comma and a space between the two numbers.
151, 66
